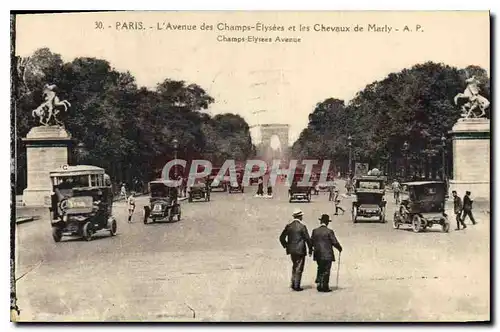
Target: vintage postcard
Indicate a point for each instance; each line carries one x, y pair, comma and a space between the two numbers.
251, 166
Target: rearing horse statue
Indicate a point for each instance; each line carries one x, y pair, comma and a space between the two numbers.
473, 100
49, 108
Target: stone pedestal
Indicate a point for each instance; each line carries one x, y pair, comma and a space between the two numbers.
471, 158
47, 148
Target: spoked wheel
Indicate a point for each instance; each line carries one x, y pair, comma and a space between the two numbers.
87, 231
395, 221
416, 223
113, 227
56, 234
354, 214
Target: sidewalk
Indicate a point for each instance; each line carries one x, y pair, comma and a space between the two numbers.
26, 214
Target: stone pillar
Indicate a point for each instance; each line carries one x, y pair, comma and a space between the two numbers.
471, 158
47, 149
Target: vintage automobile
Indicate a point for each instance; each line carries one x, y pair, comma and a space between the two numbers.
216, 183
423, 207
81, 202
321, 183
163, 202
369, 201
238, 185
298, 192
199, 191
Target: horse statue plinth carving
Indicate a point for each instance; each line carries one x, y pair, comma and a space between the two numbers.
471, 101
50, 109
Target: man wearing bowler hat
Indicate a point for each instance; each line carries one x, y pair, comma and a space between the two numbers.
323, 239
294, 239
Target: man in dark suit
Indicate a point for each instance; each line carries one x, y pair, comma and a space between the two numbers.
467, 208
457, 207
294, 239
323, 239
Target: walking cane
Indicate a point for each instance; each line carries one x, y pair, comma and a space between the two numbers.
338, 269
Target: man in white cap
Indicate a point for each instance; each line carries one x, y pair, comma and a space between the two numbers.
294, 239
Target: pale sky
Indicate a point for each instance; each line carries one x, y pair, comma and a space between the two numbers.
285, 80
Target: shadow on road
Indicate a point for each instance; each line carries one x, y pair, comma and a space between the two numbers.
369, 221
428, 230
150, 223
77, 238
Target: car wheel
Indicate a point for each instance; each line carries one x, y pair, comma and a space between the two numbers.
56, 234
395, 221
416, 223
113, 227
87, 231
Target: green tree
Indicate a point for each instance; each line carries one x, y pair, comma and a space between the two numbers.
126, 129
414, 105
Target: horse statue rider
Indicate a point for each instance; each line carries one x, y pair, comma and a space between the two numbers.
49, 108
473, 100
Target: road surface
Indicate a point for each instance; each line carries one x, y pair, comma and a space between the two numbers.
223, 262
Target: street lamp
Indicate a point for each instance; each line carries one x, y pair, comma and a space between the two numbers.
430, 152
175, 144
443, 156
80, 152
406, 148
349, 144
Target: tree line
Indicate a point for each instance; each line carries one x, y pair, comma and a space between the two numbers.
414, 106
126, 129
